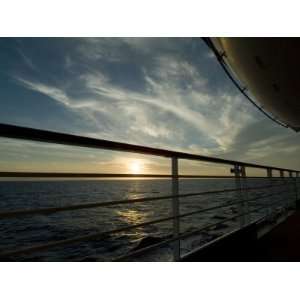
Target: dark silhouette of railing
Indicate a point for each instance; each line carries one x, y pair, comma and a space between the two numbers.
238, 169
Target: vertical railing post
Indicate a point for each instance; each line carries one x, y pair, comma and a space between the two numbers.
244, 187
296, 186
270, 204
288, 180
296, 180
175, 208
285, 192
237, 173
292, 181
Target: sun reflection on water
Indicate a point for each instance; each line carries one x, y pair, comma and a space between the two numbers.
138, 213
132, 216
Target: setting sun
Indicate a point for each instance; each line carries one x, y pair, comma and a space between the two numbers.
135, 167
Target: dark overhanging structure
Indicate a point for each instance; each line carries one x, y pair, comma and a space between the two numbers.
268, 69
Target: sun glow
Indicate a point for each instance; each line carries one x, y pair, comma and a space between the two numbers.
135, 167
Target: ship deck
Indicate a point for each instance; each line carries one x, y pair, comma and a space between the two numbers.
282, 243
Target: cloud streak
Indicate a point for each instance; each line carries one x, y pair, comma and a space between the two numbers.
178, 91
160, 92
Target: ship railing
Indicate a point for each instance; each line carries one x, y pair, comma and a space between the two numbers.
267, 209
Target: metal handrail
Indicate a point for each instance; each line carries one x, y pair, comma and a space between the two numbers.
18, 132
115, 175
181, 236
88, 237
188, 234
51, 210
38, 135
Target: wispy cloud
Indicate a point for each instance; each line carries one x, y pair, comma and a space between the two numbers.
148, 112
27, 60
170, 102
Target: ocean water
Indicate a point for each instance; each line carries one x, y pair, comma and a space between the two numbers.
34, 230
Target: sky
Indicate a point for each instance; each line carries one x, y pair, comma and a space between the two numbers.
167, 93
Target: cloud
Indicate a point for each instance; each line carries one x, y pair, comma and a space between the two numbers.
264, 142
145, 111
53, 92
174, 104
27, 60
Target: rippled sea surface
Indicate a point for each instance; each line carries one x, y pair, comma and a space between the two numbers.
34, 230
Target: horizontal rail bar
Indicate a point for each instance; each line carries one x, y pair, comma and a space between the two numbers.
166, 241
185, 235
227, 205
114, 175
88, 237
38, 135
181, 236
51, 210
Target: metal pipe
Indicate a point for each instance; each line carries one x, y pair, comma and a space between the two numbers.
181, 236
269, 175
43, 247
51, 210
45, 136
107, 175
244, 186
296, 186
175, 209
237, 173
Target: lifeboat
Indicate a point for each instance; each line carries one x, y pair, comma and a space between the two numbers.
269, 68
